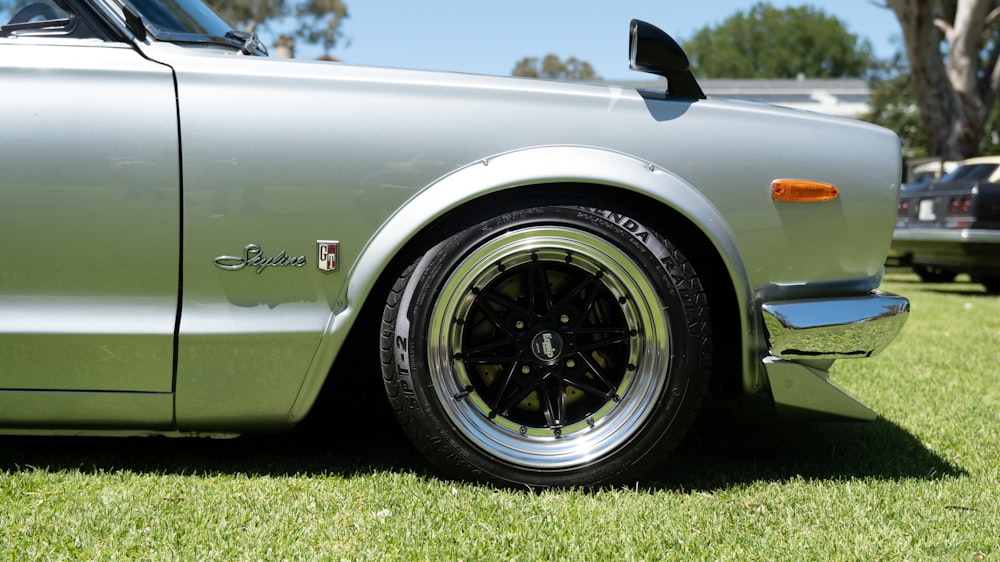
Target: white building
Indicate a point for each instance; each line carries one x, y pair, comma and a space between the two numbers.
844, 97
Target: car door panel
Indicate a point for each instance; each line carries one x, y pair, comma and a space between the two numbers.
89, 215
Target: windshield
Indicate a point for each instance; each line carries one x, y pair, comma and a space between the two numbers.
185, 17
971, 172
191, 21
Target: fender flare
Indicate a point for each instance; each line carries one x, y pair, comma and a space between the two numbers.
529, 166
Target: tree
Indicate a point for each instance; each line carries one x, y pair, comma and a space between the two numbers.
553, 68
953, 47
894, 106
318, 20
768, 42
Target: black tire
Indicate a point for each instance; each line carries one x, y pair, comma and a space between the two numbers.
933, 274
550, 346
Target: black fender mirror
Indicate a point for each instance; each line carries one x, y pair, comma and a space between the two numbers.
654, 51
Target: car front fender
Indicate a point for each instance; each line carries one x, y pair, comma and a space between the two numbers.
546, 165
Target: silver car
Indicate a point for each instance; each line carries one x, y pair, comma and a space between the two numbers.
551, 275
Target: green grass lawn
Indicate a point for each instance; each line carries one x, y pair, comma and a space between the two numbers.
921, 483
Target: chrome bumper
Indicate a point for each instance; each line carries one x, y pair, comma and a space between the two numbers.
834, 328
947, 235
800, 332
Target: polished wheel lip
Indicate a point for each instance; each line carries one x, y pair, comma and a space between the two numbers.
613, 424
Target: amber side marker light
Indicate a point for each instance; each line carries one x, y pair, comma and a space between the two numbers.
803, 191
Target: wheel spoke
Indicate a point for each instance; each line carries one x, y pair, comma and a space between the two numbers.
602, 343
505, 302
498, 395
597, 371
620, 329
555, 402
495, 320
588, 388
480, 351
572, 294
504, 407
538, 286
488, 359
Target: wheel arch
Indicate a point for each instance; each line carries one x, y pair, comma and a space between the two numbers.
555, 174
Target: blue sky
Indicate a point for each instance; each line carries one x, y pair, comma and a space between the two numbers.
490, 37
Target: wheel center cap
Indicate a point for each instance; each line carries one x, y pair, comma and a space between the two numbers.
547, 346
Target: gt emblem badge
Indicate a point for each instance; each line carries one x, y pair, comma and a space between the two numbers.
326, 255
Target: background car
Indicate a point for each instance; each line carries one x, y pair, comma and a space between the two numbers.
922, 172
952, 225
547, 278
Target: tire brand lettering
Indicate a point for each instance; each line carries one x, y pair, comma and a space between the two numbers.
621, 220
